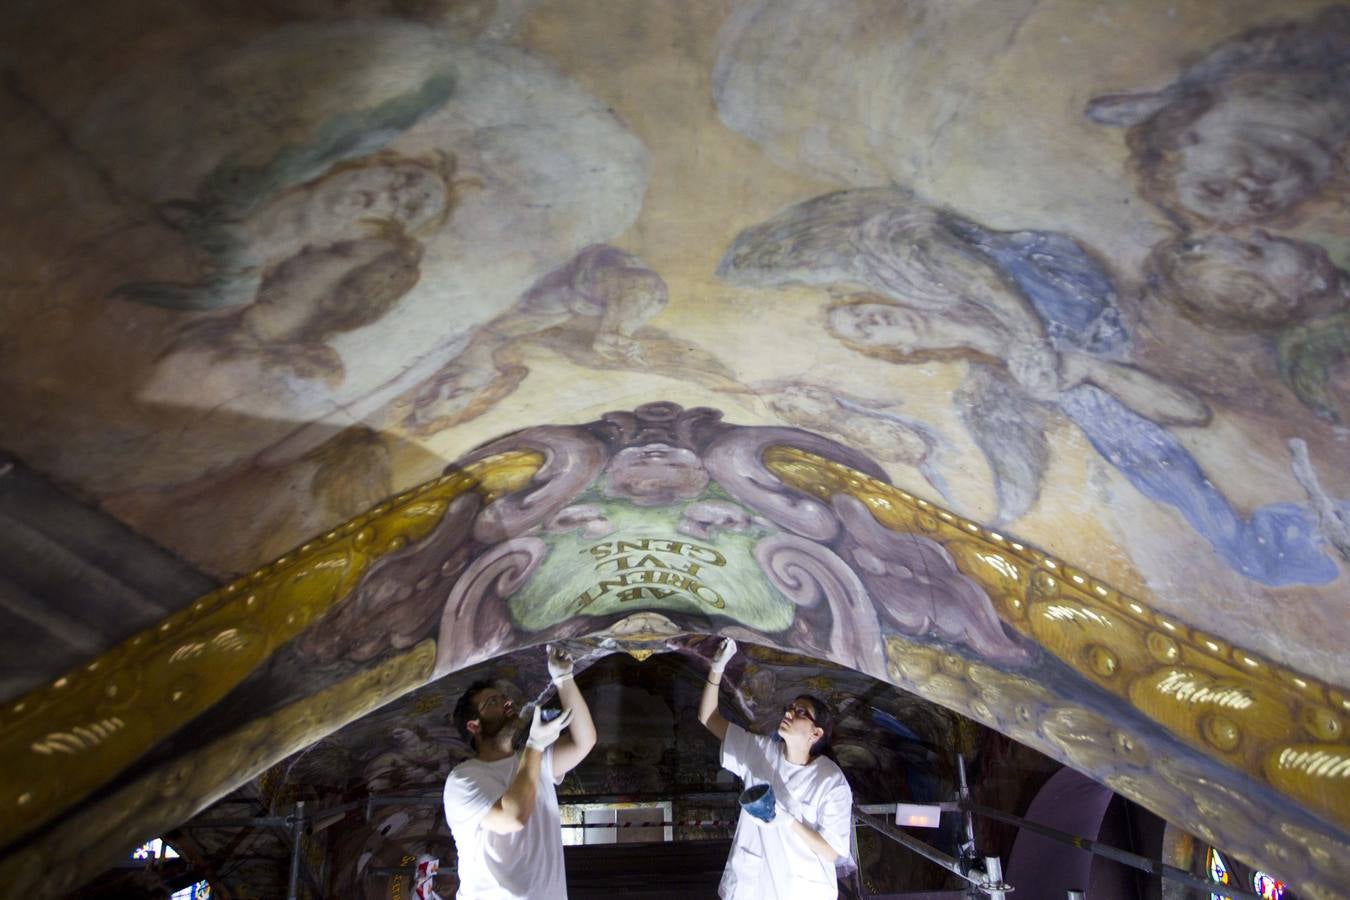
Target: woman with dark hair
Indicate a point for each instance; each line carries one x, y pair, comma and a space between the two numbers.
795, 854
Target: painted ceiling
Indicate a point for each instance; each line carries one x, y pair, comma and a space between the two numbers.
1073, 271
1067, 268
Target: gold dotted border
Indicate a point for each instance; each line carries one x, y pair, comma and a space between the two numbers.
159, 800
1255, 826
62, 741
1311, 704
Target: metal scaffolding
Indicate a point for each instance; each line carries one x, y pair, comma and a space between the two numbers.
983, 874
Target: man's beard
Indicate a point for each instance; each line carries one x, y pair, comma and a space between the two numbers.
520, 737
490, 730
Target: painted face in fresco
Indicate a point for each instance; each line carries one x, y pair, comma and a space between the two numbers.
655, 474
701, 520
453, 392
1257, 152
1245, 282
339, 205
878, 325
1035, 366
587, 519
910, 331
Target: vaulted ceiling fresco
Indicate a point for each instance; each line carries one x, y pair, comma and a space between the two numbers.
1039, 311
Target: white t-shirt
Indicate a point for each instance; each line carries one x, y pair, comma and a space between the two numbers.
526, 865
768, 860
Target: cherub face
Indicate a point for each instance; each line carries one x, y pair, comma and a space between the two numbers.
1035, 366
877, 325
701, 519
450, 391
405, 192
1233, 183
655, 474
1254, 154
587, 519
1250, 282
342, 205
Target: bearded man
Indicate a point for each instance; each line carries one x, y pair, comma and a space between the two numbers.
501, 804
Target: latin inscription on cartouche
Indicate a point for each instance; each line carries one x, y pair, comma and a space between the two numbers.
652, 569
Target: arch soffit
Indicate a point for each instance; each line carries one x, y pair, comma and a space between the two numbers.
639, 528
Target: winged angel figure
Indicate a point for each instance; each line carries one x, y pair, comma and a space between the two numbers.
1037, 317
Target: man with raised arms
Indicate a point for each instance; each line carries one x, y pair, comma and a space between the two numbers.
793, 856
501, 804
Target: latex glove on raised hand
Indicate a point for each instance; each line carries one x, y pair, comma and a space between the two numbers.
559, 664
725, 651
543, 734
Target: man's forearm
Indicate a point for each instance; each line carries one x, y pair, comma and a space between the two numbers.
518, 801
582, 727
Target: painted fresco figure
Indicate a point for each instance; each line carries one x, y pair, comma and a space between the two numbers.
863, 423
1034, 312
1249, 132
1250, 306
501, 804
1036, 315
795, 854
608, 293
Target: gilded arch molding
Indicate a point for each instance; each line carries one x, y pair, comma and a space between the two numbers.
640, 527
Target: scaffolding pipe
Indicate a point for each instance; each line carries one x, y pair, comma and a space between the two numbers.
993, 879
1134, 860
932, 854
964, 799
297, 829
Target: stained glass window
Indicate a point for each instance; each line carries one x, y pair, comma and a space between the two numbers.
1218, 872
157, 849
1267, 886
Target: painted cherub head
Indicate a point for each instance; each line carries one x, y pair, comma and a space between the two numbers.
1246, 281
1249, 132
654, 475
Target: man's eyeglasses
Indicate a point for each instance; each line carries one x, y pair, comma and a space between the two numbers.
799, 712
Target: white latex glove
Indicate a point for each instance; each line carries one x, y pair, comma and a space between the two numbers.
543, 734
725, 651
559, 664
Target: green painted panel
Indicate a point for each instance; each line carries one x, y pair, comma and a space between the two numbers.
646, 563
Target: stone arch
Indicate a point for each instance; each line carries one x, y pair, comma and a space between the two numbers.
638, 529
